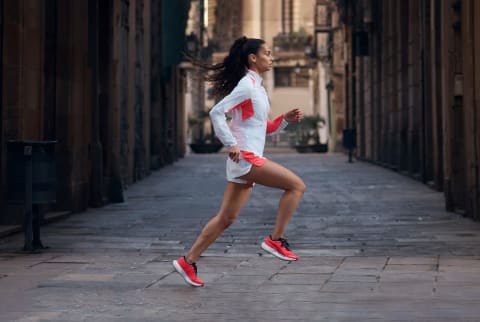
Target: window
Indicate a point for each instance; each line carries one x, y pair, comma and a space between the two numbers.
291, 76
287, 16
322, 16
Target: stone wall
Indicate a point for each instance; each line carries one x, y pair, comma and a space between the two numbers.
413, 98
89, 74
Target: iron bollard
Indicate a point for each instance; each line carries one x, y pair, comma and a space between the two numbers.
350, 141
31, 181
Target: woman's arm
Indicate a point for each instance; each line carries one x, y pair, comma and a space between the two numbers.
239, 98
275, 126
278, 124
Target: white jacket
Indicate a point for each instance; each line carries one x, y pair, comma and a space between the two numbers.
249, 106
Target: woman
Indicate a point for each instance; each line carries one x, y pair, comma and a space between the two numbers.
238, 80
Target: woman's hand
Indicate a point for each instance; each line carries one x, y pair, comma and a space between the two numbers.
234, 153
294, 115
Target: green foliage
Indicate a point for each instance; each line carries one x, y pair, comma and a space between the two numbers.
306, 132
196, 126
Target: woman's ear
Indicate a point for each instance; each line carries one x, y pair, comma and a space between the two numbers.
252, 58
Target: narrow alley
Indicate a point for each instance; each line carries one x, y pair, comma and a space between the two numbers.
374, 245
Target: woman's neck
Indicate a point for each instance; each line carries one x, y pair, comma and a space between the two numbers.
255, 70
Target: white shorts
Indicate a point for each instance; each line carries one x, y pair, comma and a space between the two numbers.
235, 170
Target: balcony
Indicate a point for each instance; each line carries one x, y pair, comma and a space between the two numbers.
292, 42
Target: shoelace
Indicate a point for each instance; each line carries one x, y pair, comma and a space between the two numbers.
194, 267
285, 243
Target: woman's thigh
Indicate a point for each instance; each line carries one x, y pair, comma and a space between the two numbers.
274, 175
234, 198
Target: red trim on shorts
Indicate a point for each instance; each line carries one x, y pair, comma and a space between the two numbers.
254, 159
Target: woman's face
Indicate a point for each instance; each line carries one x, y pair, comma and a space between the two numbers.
262, 61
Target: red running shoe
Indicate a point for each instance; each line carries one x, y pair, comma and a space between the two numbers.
188, 271
279, 248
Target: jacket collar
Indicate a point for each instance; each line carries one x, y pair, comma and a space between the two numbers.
257, 77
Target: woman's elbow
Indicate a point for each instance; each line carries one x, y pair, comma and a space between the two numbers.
215, 112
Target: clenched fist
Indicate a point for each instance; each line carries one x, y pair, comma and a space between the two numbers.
294, 115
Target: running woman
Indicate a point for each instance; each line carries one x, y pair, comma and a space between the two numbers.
238, 80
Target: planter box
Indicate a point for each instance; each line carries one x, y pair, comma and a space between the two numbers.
312, 148
206, 147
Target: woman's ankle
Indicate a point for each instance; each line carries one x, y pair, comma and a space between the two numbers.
188, 260
275, 237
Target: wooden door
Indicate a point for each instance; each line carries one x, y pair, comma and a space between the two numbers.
476, 54
471, 42
2, 163
123, 92
453, 107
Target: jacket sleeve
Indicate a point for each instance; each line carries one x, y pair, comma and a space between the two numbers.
240, 97
275, 126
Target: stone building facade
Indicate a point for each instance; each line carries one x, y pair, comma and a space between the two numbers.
413, 91
310, 59
100, 78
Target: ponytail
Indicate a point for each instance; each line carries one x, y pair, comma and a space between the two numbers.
226, 75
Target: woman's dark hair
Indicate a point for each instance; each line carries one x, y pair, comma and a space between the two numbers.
225, 76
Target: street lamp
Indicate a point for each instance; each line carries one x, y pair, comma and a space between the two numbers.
297, 68
192, 44
309, 51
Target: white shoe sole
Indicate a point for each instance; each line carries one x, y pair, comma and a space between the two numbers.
180, 271
272, 251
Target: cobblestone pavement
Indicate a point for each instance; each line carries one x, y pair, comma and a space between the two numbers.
374, 245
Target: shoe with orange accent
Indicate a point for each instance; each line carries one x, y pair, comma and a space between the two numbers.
279, 248
187, 271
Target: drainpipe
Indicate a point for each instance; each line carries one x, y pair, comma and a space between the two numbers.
423, 67
2, 22
96, 151
354, 96
351, 121
201, 22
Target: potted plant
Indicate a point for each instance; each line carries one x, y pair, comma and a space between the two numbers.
306, 135
202, 138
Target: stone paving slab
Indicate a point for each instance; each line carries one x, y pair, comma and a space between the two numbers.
374, 245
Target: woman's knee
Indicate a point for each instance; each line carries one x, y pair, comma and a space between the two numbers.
302, 187
226, 220
299, 186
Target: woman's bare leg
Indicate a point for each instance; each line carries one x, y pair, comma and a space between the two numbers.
273, 175
234, 198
